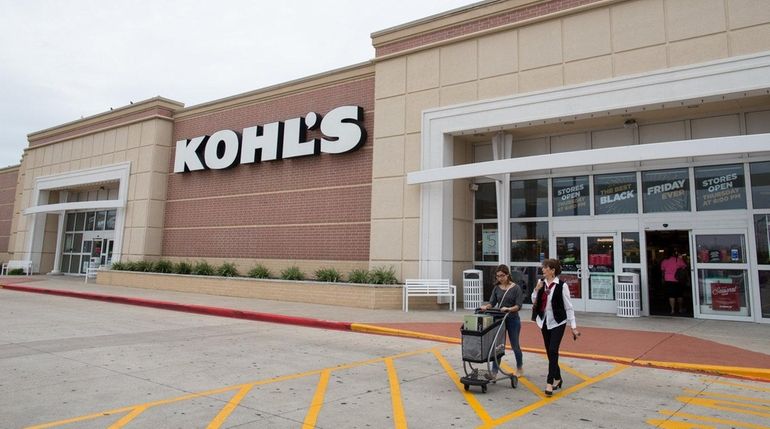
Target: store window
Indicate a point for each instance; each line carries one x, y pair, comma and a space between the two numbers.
486, 242
571, 196
764, 292
722, 274
529, 241
720, 187
666, 191
615, 194
529, 198
762, 234
631, 252
485, 199
760, 185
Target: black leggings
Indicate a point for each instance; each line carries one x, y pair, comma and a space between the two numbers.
552, 341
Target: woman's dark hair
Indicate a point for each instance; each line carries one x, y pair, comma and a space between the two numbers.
502, 268
553, 264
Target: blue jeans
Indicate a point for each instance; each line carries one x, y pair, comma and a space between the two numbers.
513, 327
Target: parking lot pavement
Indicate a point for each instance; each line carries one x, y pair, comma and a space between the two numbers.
76, 363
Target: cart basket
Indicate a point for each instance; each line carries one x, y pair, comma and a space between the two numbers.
476, 345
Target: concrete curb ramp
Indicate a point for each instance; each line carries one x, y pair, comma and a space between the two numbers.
761, 374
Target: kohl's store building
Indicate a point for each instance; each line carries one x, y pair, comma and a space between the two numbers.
597, 132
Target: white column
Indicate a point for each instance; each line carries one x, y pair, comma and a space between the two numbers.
59, 237
436, 224
502, 145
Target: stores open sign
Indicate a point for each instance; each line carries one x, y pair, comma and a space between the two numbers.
724, 297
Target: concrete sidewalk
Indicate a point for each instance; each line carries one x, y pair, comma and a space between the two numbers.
718, 347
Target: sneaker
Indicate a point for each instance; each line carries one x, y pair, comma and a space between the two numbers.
519, 372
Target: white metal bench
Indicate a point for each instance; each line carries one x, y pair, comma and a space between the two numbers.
429, 287
12, 265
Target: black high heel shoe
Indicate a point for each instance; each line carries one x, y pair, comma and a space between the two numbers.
558, 386
547, 392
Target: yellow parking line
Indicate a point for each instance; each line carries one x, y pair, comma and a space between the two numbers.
736, 407
731, 423
726, 395
543, 402
399, 418
230, 407
741, 385
318, 400
127, 418
570, 370
525, 381
673, 424
469, 397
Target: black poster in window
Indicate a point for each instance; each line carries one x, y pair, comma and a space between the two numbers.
615, 193
720, 187
570, 196
666, 191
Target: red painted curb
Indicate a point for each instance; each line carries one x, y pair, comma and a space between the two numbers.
191, 308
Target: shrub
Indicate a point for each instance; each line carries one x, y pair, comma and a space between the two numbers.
203, 268
260, 272
227, 270
129, 266
143, 266
16, 272
359, 276
183, 267
163, 266
118, 266
292, 273
384, 276
328, 275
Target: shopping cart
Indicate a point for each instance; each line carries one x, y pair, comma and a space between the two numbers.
485, 346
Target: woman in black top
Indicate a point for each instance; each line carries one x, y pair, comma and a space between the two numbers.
509, 297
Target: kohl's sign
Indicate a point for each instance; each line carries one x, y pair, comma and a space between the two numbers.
342, 131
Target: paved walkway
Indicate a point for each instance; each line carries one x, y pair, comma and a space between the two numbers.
720, 347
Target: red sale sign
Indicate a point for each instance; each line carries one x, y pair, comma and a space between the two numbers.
724, 297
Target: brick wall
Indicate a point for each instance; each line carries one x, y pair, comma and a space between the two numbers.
8, 177
311, 208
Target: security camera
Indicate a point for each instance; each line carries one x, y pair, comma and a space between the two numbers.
630, 123
665, 225
474, 187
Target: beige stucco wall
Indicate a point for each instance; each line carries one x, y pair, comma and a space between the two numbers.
137, 134
601, 41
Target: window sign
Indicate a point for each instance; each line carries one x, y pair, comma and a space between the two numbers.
602, 287
760, 185
615, 193
489, 242
720, 187
666, 191
570, 196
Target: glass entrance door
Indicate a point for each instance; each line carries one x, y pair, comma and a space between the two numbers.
722, 274
588, 267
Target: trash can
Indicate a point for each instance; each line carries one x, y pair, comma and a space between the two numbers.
628, 295
472, 284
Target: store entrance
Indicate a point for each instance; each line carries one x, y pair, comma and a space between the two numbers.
658, 244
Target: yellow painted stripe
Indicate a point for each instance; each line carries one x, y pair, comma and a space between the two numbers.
543, 402
673, 424
127, 418
373, 329
469, 397
220, 418
762, 374
570, 370
399, 418
740, 385
318, 399
731, 423
726, 395
735, 407
224, 389
528, 384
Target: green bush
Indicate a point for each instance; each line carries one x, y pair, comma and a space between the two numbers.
292, 273
183, 267
143, 266
203, 268
384, 276
359, 276
118, 266
328, 275
163, 266
227, 270
260, 272
16, 272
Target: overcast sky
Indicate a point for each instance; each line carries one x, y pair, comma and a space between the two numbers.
66, 59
